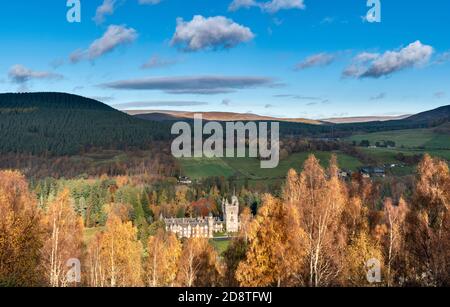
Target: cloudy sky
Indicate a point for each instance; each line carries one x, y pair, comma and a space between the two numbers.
289, 58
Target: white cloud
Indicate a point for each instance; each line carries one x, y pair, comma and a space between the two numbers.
272, 6
210, 33
113, 37
107, 8
21, 74
237, 4
157, 62
365, 57
320, 59
151, 2
373, 65
277, 5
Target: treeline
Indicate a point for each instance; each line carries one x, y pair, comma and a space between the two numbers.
155, 160
320, 231
58, 124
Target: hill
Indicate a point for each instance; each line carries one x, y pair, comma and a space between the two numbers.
441, 114
57, 124
362, 119
215, 116
337, 128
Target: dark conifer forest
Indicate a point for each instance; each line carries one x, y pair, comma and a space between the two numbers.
57, 124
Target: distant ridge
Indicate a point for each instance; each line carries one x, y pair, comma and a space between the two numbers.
162, 115
363, 119
439, 114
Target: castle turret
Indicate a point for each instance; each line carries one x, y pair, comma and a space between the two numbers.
231, 214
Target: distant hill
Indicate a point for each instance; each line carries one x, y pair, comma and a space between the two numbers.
55, 124
334, 128
215, 116
362, 119
441, 114
61, 124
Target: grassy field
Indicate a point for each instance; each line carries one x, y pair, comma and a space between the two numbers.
413, 138
387, 155
250, 168
220, 245
197, 168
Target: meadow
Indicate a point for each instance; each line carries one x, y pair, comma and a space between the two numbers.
249, 168
413, 138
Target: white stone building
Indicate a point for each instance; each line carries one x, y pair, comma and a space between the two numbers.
231, 214
206, 227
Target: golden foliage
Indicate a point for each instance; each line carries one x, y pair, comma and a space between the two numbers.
199, 265
114, 256
21, 233
276, 247
319, 199
164, 251
64, 239
361, 250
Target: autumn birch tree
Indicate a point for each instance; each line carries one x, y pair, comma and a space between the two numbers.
164, 250
21, 233
319, 198
429, 224
275, 247
115, 256
395, 221
64, 239
198, 264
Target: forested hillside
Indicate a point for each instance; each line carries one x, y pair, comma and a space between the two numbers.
55, 124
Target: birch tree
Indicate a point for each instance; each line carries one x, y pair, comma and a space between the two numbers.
64, 239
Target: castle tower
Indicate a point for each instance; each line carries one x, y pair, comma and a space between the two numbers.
231, 214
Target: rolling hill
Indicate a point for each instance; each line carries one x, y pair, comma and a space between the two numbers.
340, 127
55, 124
441, 114
215, 116
63, 124
362, 119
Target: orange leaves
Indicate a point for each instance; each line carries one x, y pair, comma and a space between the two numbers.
432, 194
275, 250
198, 264
161, 267
64, 239
115, 256
20, 232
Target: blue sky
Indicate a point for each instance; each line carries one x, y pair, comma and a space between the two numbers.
289, 58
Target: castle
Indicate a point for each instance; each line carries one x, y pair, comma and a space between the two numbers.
206, 227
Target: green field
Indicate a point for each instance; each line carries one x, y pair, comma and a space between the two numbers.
197, 168
387, 155
220, 245
413, 138
250, 168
